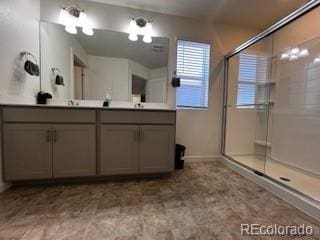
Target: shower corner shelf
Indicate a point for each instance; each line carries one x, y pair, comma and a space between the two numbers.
263, 143
266, 84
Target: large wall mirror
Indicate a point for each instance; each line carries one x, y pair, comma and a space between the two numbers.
90, 67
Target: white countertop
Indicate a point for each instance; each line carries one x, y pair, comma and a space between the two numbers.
84, 104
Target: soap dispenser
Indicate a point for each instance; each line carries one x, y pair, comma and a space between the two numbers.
107, 101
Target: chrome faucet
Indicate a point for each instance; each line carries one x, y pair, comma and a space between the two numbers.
138, 105
72, 103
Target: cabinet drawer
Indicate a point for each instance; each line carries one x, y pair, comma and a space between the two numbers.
138, 117
48, 115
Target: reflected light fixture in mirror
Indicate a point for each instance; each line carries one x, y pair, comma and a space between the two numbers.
294, 54
72, 17
140, 26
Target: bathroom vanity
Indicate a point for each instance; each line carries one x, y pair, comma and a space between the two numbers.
57, 141
47, 142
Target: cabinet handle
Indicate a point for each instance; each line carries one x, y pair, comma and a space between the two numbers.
55, 135
141, 133
48, 135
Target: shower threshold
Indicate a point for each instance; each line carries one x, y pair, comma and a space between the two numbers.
298, 179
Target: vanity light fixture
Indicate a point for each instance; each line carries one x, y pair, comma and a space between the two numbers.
140, 26
72, 17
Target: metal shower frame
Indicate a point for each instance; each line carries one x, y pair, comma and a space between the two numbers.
280, 24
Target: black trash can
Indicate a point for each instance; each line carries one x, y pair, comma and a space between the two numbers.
180, 150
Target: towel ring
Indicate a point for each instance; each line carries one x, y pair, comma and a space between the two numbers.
54, 69
26, 54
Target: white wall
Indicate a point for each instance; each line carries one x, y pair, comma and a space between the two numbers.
200, 131
104, 73
57, 50
156, 88
114, 75
139, 70
19, 31
19, 27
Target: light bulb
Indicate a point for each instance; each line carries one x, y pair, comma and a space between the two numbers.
148, 29
133, 26
293, 57
147, 39
83, 19
133, 34
64, 17
87, 30
284, 56
148, 33
295, 51
133, 37
316, 60
304, 53
71, 29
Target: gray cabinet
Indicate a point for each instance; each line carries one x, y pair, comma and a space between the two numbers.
43, 151
74, 150
156, 149
49, 143
27, 151
136, 149
119, 149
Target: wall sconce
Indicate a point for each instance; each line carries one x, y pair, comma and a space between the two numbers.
72, 17
140, 26
58, 77
294, 54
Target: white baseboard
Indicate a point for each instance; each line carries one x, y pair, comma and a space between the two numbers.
300, 201
4, 186
208, 158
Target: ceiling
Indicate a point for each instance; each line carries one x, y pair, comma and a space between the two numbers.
258, 14
115, 44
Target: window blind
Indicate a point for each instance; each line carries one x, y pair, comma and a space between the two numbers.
253, 76
193, 69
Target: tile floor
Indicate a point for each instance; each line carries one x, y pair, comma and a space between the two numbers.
204, 201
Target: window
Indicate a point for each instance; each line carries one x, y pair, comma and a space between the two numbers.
193, 69
252, 79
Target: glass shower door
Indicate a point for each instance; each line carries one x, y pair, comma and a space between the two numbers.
294, 125
247, 106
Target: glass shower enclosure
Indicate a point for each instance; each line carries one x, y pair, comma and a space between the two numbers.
272, 103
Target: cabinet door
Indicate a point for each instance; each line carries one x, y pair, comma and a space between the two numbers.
74, 150
27, 151
119, 149
156, 148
